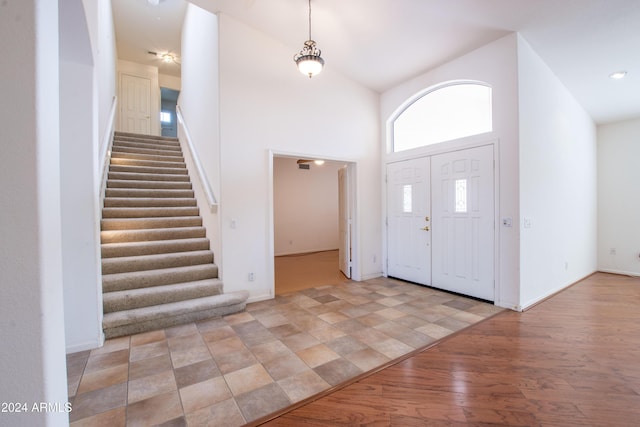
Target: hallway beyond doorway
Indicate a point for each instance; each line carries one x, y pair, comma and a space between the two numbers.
309, 270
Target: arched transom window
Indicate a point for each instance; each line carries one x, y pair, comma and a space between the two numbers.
444, 114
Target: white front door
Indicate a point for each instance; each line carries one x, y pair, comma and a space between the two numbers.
135, 104
408, 206
463, 222
344, 222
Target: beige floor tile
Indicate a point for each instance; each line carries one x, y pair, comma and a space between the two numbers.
98, 401
392, 348
204, 394
104, 378
367, 359
317, 355
390, 313
271, 350
303, 385
154, 410
225, 346
300, 341
150, 386
225, 413
190, 356
241, 317
333, 317
285, 367
147, 338
106, 360
114, 344
146, 367
262, 401
234, 361
113, 418
195, 373
148, 351
247, 379
434, 331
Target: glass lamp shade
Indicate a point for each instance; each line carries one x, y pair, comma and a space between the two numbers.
310, 65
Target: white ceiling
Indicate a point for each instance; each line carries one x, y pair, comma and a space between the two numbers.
381, 43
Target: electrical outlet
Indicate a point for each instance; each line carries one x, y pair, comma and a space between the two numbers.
251, 277
612, 251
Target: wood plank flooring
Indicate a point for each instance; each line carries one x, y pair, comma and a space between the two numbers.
573, 360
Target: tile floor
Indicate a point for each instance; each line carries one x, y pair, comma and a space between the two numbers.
232, 370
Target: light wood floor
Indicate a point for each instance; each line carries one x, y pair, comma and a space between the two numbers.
304, 271
573, 360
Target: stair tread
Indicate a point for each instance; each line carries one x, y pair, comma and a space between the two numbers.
148, 202
143, 297
139, 263
149, 247
157, 277
151, 234
132, 212
124, 317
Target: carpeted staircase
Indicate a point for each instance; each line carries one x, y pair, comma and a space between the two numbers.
157, 269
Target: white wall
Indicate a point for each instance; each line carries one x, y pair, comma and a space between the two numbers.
32, 357
170, 82
198, 103
618, 201
271, 106
495, 64
78, 167
558, 196
305, 204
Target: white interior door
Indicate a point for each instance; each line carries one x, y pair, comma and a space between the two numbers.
408, 216
135, 95
463, 222
344, 222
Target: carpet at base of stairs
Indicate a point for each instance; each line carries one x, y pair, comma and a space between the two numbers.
135, 321
158, 270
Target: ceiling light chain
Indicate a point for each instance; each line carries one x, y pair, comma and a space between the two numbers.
308, 60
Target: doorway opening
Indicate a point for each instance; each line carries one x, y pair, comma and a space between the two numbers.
168, 118
312, 222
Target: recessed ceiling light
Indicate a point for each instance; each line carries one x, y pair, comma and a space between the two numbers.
319, 162
618, 75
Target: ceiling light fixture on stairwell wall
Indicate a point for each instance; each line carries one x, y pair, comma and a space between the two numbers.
308, 60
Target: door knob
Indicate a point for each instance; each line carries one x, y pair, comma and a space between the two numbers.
425, 228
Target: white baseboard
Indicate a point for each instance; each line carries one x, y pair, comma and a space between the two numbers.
621, 272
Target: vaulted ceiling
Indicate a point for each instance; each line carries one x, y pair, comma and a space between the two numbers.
380, 43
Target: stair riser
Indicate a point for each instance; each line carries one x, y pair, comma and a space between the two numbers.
157, 158
148, 193
150, 185
145, 279
154, 247
147, 146
146, 151
149, 212
148, 169
127, 136
133, 235
155, 262
117, 164
124, 202
118, 301
146, 223
146, 177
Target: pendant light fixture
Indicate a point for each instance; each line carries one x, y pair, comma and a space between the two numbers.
308, 60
